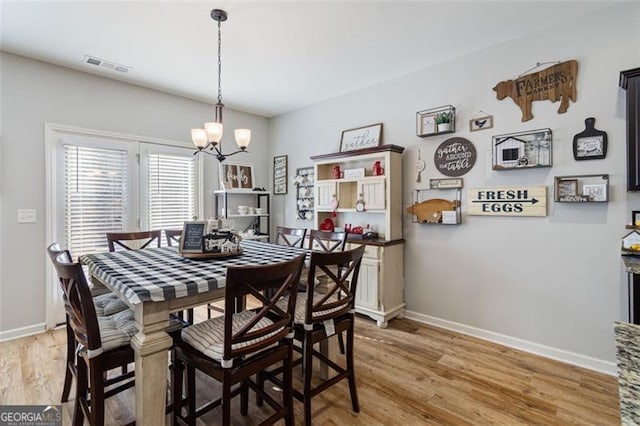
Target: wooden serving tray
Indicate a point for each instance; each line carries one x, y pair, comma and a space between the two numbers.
210, 255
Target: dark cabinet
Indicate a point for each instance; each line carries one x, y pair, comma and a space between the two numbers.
630, 81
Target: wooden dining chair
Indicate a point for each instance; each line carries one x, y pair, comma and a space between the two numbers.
126, 240
327, 241
173, 236
293, 237
143, 239
234, 347
318, 317
104, 343
106, 304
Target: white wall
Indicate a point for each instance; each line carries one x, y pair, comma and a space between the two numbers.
555, 281
34, 93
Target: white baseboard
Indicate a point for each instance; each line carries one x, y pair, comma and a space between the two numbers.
16, 333
572, 358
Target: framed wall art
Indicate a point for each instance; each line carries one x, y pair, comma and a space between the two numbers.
481, 121
280, 175
236, 176
567, 188
595, 192
591, 143
361, 137
426, 123
522, 150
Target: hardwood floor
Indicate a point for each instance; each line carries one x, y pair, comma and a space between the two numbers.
407, 374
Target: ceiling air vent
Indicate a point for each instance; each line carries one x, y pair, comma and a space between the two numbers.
107, 65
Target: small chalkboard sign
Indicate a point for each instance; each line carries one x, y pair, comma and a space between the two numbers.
192, 233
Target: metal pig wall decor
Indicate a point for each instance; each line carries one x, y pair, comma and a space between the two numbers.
555, 83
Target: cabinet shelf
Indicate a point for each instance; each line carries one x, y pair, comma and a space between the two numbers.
427, 121
259, 223
581, 188
429, 210
305, 182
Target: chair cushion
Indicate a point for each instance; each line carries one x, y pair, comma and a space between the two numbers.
108, 304
208, 336
116, 330
301, 306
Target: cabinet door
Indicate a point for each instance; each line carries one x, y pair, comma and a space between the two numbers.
373, 193
325, 193
367, 291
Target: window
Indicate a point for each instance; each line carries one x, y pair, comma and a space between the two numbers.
170, 178
509, 154
112, 185
95, 197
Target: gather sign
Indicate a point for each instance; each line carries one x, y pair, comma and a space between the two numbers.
455, 157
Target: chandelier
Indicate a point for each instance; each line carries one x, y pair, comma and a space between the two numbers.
209, 139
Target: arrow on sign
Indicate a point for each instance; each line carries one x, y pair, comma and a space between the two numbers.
532, 201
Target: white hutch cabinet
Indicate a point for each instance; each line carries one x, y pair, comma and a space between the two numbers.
380, 292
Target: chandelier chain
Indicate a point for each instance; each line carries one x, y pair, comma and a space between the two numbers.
219, 64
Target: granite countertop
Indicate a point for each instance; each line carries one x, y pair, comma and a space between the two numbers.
628, 357
631, 263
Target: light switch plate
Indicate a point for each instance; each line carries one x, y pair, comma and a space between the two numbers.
26, 215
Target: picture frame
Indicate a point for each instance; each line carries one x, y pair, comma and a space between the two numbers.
280, 174
635, 218
192, 235
483, 122
595, 192
361, 137
567, 188
523, 150
591, 143
236, 176
426, 123
589, 148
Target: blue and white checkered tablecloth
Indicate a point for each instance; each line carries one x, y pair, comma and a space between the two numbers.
158, 274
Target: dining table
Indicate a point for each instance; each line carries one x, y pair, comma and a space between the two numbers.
154, 282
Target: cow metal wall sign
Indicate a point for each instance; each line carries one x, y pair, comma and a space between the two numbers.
555, 83
455, 157
508, 201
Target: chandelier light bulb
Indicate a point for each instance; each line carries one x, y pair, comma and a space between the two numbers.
199, 138
243, 137
214, 131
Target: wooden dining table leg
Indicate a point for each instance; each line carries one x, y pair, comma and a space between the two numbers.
151, 345
329, 348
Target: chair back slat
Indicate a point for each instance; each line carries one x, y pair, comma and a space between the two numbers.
143, 239
78, 302
173, 236
269, 284
327, 241
293, 237
341, 271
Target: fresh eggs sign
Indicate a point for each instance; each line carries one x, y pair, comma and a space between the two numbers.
508, 201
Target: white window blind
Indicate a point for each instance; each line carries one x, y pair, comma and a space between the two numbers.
95, 201
172, 190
